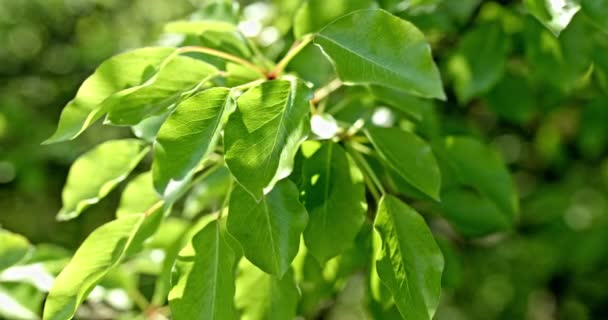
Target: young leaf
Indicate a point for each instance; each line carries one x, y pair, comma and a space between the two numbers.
138, 196
555, 15
400, 59
479, 62
189, 134
269, 230
313, 15
203, 282
334, 195
263, 135
260, 296
410, 263
13, 248
119, 72
478, 166
409, 156
175, 77
101, 251
94, 174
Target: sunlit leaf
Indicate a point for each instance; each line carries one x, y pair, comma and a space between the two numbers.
13, 248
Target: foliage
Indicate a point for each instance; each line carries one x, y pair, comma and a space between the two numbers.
306, 158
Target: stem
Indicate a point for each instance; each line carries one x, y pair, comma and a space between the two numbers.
369, 173
225, 56
325, 91
293, 51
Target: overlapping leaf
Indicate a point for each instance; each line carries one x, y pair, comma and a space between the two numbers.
313, 15
334, 195
263, 135
123, 71
555, 15
94, 174
189, 134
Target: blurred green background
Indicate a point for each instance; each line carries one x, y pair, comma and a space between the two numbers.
540, 101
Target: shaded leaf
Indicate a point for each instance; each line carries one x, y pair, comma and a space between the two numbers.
410, 263
94, 174
203, 280
263, 135
334, 195
313, 15
261, 296
555, 15
400, 59
269, 231
597, 10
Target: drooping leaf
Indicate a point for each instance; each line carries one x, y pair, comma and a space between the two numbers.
123, 71
334, 195
400, 59
479, 61
176, 76
410, 263
203, 281
94, 174
555, 15
263, 135
269, 230
189, 134
410, 156
13, 248
313, 15
477, 166
100, 252
261, 296
138, 196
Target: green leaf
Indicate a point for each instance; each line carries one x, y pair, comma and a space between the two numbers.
313, 15
410, 105
175, 77
12, 308
400, 59
263, 135
125, 70
208, 195
479, 61
475, 165
100, 252
555, 15
334, 195
13, 248
410, 263
203, 282
410, 156
269, 230
94, 174
472, 214
138, 196
189, 134
260, 296
597, 10
417, 5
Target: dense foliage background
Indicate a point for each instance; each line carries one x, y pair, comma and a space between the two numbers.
539, 100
